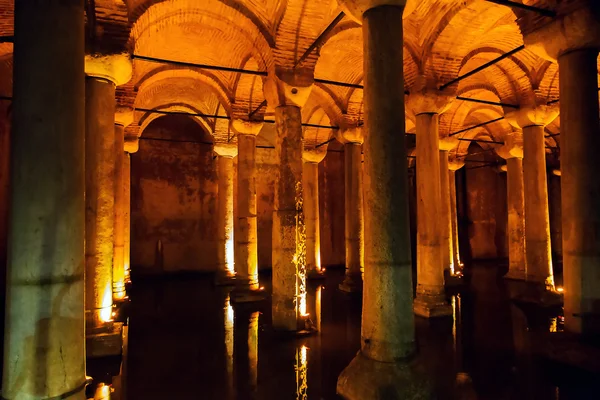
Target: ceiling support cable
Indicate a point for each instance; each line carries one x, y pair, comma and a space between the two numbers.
482, 67
477, 126
491, 103
544, 11
320, 39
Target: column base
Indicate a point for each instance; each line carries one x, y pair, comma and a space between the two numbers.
247, 295
352, 284
431, 308
533, 293
314, 274
105, 341
365, 379
223, 278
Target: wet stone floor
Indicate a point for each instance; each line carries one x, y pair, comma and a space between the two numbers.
186, 341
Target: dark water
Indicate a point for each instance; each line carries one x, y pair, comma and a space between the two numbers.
187, 342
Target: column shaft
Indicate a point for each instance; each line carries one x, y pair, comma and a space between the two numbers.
537, 219
4, 190
454, 220
127, 214
430, 300
101, 278
289, 252
311, 218
517, 268
119, 230
387, 322
580, 165
247, 267
446, 221
353, 211
44, 338
225, 246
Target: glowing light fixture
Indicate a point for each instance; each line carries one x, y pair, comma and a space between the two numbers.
559, 289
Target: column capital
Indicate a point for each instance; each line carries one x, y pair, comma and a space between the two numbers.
124, 116
352, 134
314, 155
244, 127
428, 101
577, 29
117, 68
356, 8
513, 146
132, 144
448, 143
540, 115
287, 88
456, 164
228, 150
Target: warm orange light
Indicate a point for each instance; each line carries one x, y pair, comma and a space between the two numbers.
102, 392
107, 303
559, 289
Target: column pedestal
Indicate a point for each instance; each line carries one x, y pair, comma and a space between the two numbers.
355, 257
382, 369
44, 338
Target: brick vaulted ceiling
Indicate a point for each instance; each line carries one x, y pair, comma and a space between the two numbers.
443, 39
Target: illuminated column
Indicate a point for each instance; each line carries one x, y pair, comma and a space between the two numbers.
431, 249
289, 251
246, 267
381, 370
512, 152
132, 145
353, 191
104, 73
580, 203
44, 338
446, 144
123, 118
454, 165
225, 269
537, 217
311, 159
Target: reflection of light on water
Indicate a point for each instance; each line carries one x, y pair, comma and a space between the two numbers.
107, 302
229, 257
318, 308
253, 351
553, 324
102, 392
454, 305
229, 317
301, 373
300, 255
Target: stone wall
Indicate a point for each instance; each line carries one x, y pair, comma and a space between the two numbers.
174, 199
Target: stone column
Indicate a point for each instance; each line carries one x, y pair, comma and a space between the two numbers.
132, 145
354, 224
225, 244
123, 118
44, 354
512, 152
310, 175
104, 279
446, 145
580, 165
431, 295
537, 219
289, 235
246, 268
453, 166
4, 188
380, 370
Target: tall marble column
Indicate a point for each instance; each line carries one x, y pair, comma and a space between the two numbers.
289, 232
537, 218
381, 369
431, 295
446, 145
512, 152
454, 165
353, 201
580, 165
132, 145
226, 152
310, 176
104, 73
123, 118
246, 268
44, 338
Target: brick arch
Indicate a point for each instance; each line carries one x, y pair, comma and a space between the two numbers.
248, 91
148, 118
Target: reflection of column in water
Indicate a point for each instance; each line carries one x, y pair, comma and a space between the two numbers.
253, 351
301, 373
313, 299
102, 392
229, 316
457, 332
